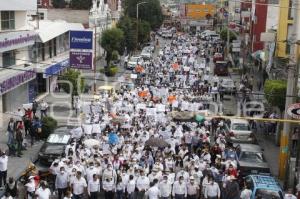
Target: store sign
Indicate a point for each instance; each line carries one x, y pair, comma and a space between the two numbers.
17, 80
15, 40
56, 68
294, 111
81, 60
81, 40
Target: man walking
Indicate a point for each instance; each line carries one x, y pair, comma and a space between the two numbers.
153, 192
179, 189
61, 182
78, 186
44, 108
94, 187
212, 190
3, 168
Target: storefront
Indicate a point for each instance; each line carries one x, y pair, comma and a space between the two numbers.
14, 91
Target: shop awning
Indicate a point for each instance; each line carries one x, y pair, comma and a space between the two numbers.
50, 29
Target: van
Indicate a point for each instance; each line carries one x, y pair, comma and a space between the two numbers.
264, 186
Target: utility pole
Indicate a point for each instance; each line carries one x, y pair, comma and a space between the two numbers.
137, 21
293, 68
228, 37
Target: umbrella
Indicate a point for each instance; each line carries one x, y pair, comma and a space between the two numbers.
113, 138
156, 142
90, 143
200, 118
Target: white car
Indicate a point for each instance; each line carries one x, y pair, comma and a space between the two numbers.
146, 53
133, 61
240, 131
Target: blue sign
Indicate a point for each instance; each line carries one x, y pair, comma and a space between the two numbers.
81, 40
56, 68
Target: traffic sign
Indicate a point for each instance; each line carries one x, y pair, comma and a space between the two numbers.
294, 111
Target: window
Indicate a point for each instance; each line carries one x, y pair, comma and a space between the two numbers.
291, 10
8, 58
39, 2
41, 15
7, 20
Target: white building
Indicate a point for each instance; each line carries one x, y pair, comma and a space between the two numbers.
17, 75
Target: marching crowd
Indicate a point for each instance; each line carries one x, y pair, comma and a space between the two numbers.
153, 155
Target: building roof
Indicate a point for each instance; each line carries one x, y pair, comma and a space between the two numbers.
51, 29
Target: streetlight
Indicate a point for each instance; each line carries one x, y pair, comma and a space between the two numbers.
137, 21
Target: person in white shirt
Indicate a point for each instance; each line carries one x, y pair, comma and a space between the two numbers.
153, 192
179, 189
44, 107
90, 171
165, 188
109, 188
290, 195
212, 190
61, 182
43, 192
142, 184
78, 186
246, 193
30, 187
192, 189
131, 187
3, 168
93, 187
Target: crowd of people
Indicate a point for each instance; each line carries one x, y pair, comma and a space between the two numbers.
152, 155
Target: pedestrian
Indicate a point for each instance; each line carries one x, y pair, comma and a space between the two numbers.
109, 188
43, 192
153, 192
165, 188
68, 195
44, 108
12, 187
131, 187
3, 168
61, 182
30, 188
37, 128
246, 193
179, 189
142, 185
289, 194
11, 128
231, 189
120, 188
212, 190
34, 107
192, 189
19, 140
94, 187
78, 186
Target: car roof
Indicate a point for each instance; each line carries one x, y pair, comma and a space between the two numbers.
135, 57
265, 182
250, 147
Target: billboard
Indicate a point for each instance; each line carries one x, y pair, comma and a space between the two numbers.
81, 49
81, 40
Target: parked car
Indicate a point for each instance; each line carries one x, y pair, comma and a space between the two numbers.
221, 68
133, 61
146, 53
150, 45
228, 86
251, 160
264, 186
240, 132
55, 145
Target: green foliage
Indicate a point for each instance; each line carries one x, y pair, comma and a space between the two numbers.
275, 92
150, 12
72, 76
109, 71
59, 3
128, 27
111, 41
81, 4
49, 124
223, 35
115, 55
144, 32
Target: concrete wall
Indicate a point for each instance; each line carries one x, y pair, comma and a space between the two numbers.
71, 16
272, 17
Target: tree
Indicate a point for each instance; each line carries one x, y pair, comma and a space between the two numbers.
59, 3
128, 27
72, 76
144, 31
223, 35
81, 4
111, 40
275, 92
150, 12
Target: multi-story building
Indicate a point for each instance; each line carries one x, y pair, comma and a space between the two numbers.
17, 68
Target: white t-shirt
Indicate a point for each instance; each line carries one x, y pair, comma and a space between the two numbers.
246, 194
43, 193
289, 196
78, 185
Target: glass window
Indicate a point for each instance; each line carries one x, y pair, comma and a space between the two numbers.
8, 58
7, 20
268, 194
58, 139
251, 157
240, 127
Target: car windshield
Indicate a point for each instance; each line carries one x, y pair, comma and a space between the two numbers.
134, 59
240, 127
227, 82
58, 139
250, 156
268, 194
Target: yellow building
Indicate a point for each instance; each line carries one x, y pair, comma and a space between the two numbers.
199, 11
285, 24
